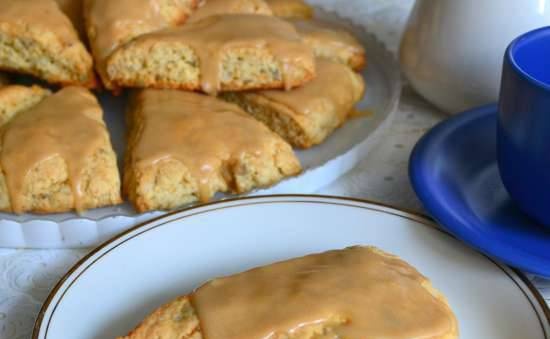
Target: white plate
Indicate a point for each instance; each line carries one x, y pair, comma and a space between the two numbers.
113, 288
322, 164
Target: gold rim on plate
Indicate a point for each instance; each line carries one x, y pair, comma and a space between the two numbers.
340, 201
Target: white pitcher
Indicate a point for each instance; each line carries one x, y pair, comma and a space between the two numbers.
452, 50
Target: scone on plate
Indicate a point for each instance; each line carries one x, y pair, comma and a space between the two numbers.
291, 8
55, 152
37, 38
219, 53
111, 24
184, 147
357, 292
307, 115
331, 42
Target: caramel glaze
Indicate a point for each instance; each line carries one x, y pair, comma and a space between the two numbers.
66, 124
327, 33
218, 7
371, 295
111, 23
44, 14
73, 10
212, 36
202, 132
335, 88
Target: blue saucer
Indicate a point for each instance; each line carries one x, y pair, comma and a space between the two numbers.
454, 172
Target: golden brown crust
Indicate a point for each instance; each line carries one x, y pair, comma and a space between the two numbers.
332, 42
91, 83
257, 158
226, 87
179, 320
52, 50
108, 26
176, 59
175, 320
17, 98
181, 59
291, 8
47, 185
223, 7
358, 61
308, 115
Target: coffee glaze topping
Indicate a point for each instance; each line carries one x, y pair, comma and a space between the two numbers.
371, 295
67, 124
111, 23
336, 87
204, 133
214, 35
44, 14
73, 10
219, 7
327, 33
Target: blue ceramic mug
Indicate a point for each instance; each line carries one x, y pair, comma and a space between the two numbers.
524, 123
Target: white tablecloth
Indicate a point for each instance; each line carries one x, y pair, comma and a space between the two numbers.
26, 276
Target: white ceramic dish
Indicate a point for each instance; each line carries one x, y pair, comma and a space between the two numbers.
115, 286
452, 51
322, 164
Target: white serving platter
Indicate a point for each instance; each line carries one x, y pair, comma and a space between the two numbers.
322, 164
112, 289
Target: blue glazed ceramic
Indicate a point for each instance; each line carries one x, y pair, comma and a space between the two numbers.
454, 171
524, 123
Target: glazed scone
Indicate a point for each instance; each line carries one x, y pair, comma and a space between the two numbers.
56, 155
219, 53
331, 42
219, 7
17, 98
357, 292
37, 38
307, 115
109, 24
291, 8
175, 320
184, 147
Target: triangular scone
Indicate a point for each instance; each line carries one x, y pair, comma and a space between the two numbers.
55, 152
332, 42
219, 53
291, 8
111, 23
356, 292
185, 147
307, 115
37, 38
